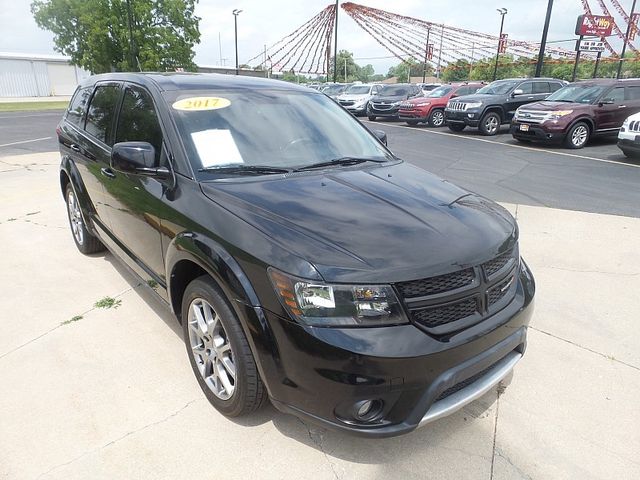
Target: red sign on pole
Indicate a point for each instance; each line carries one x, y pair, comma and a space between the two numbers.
502, 44
634, 26
430, 51
594, 25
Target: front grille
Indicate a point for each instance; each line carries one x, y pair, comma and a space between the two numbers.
436, 316
457, 106
494, 266
532, 116
382, 106
461, 298
407, 106
346, 103
634, 126
433, 285
465, 383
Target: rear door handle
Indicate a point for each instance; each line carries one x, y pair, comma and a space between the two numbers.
107, 172
74, 147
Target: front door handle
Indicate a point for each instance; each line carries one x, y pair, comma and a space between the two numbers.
622, 106
107, 172
74, 147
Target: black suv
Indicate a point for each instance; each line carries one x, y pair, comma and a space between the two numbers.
306, 263
495, 104
387, 102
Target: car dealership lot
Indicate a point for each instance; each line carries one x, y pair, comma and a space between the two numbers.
111, 395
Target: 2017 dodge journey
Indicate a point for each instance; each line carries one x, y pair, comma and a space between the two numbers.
305, 262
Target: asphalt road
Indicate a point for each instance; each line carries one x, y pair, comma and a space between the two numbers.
596, 179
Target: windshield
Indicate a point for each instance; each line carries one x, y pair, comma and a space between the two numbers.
394, 90
275, 128
358, 90
577, 93
333, 89
440, 91
499, 88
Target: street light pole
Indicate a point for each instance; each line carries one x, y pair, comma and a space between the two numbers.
502, 12
626, 38
335, 47
132, 53
236, 12
543, 41
426, 56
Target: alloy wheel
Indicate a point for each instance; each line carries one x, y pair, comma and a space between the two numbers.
75, 218
579, 135
211, 349
491, 124
437, 118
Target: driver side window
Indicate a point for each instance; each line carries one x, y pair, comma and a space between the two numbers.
526, 87
616, 95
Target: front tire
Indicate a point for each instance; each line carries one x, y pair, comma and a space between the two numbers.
490, 124
456, 127
86, 242
577, 136
218, 351
412, 123
436, 118
372, 118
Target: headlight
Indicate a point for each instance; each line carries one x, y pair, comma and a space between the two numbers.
473, 104
423, 104
626, 122
319, 304
395, 104
559, 114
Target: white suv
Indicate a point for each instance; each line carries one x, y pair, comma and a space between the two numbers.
629, 136
356, 97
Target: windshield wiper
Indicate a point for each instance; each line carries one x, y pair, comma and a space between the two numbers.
340, 161
250, 169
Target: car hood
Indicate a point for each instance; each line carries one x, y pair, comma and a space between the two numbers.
391, 99
482, 97
547, 106
380, 224
360, 96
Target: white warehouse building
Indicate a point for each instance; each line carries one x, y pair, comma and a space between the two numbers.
23, 75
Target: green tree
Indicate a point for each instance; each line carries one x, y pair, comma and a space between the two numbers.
409, 67
95, 33
457, 71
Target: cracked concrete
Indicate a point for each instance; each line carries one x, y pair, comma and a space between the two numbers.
113, 396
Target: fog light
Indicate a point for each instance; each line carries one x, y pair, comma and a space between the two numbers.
471, 115
368, 410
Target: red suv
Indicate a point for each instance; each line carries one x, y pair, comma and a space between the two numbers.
430, 108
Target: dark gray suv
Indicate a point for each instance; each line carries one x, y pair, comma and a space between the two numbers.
495, 104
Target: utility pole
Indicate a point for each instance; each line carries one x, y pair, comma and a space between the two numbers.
132, 52
502, 12
543, 41
426, 56
595, 69
626, 38
440, 51
220, 48
345, 70
335, 47
575, 64
473, 47
236, 12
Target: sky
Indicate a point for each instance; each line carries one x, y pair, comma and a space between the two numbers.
264, 22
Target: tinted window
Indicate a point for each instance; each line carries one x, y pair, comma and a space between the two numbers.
555, 86
441, 92
138, 121
473, 89
499, 87
395, 90
101, 112
577, 92
78, 106
541, 87
633, 93
526, 87
616, 95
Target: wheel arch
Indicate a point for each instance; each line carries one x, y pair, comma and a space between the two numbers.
589, 121
494, 109
69, 174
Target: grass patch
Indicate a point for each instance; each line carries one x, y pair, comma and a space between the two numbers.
32, 106
152, 283
72, 319
107, 302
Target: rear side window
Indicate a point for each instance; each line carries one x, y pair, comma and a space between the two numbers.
633, 93
78, 106
138, 121
555, 86
101, 112
541, 87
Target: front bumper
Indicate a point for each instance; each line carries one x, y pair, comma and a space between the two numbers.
537, 132
469, 118
356, 109
319, 374
414, 114
387, 112
628, 145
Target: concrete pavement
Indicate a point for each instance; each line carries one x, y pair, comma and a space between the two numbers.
111, 394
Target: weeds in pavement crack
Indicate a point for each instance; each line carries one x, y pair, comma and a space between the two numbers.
108, 302
72, 319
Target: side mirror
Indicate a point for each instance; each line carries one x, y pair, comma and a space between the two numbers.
138, 158
381, 134
454, 95
517, 91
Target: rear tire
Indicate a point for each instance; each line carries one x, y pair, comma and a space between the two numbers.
456, 127
372, 118
412, 123
218, 351
577, 136
436, 118
490, 124
86, 242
